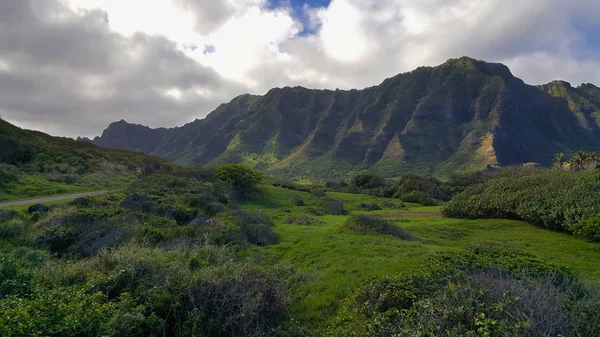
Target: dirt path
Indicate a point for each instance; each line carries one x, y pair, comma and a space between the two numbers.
49, 199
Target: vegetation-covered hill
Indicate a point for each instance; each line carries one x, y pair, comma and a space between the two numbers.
185, 254
461, 115
34, 164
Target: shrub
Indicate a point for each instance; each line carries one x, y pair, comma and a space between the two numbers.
332, 206
239, 175
10, 229
554, 199
298, 201
57, 239
369, 206
390, 204
290, 186
366, 224
368, 181
7, 215
414, 183
419, 198
382, 192
478, 293
336, 184
314, 211
318, 192
304, 220
588, 228
245, 227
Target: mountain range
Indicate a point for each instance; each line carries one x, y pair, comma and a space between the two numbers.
462, 115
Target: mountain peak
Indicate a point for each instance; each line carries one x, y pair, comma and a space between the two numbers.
488, 68
462, 114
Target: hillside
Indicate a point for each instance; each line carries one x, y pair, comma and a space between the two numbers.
461, 115
34, 164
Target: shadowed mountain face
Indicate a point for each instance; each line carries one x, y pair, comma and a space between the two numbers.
461, 115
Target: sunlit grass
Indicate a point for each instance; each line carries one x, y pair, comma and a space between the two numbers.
337, 260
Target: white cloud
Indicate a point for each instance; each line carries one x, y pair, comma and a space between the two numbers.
147, 48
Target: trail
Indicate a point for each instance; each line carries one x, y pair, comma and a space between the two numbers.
49, 199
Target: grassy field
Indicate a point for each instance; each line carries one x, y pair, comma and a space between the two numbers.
336, 260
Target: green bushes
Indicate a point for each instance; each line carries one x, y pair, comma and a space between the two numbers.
369, 206
333, 206
366, 224
136, 291
414, 183
367, 181
419, 198
304, 220
554, 199
484, 292
588, 228
239, 175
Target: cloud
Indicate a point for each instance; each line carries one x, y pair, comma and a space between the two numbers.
68, 74
70, 67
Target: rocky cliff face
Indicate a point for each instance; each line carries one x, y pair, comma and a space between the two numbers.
463, 114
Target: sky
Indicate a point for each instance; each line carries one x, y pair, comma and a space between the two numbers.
71, 67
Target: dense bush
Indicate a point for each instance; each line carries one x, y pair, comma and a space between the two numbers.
366, 224
288, 185
298, 201
588, 228
414, 183
7, 214
136, 291
367, 181
369, 206
304, 220
459, 182
330, 205
419, 198
247, 227
554, 199
479, 293
239, 175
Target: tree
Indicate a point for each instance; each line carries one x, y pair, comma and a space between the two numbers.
239, 175
559, 160
578, 160
591, 160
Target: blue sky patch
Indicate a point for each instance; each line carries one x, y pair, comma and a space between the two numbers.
298, 10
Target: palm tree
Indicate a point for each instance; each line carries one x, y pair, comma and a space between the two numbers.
559, 160
591, 160
578, 160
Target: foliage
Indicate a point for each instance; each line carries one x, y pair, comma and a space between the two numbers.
33, 164
554, 199
369, 206
330, 205
304, 220
367, 181
419, 198
367, 224
588, 228
239, 175
414, 183
484, 292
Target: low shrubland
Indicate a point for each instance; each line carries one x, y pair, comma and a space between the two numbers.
554, 199
482, 292
158, 259
367, 224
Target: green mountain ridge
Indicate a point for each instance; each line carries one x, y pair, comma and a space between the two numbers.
34, 164
462, 115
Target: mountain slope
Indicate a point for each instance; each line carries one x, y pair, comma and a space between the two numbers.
34, 164
461, 115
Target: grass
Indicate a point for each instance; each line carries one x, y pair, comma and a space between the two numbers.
335, 260
37, 186
23, 208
